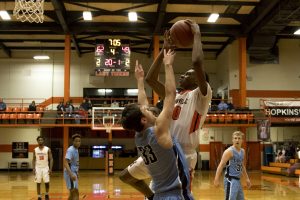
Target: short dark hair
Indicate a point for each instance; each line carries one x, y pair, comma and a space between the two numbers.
76, 135
38, 137
155, 110
131, 118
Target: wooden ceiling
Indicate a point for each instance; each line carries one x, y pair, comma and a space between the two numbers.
247, 18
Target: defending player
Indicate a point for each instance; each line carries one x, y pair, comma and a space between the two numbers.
42, 164
71, 164
235, 168
153, 138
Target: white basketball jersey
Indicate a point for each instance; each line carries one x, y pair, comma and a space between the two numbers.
41, 157
189, 114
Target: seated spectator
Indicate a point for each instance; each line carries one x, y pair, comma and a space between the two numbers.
90, 105
280, 157
32, 106
2, 105
60, 108
69, 108
85, 105
222, 106
80, 115
115, 104
160, 104
230, 106
277, 157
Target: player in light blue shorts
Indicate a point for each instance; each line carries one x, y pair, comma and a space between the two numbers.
71, 165
234, 155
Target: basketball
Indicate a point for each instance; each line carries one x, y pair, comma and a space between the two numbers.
181, 34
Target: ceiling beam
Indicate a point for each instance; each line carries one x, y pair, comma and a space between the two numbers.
6, 50
200, 2
61, 14
160, 18
229, 41
258, 14
121, 27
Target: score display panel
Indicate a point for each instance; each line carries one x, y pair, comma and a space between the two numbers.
112, 57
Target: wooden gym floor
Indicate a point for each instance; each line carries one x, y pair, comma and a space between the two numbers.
97, 185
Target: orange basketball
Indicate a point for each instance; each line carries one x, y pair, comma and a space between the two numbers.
181, 34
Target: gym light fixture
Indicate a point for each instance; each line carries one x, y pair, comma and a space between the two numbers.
297, 32
213, 17
132, 16
41, 57
4, 15
87, 15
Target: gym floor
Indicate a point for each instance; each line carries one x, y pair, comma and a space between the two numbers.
97, 185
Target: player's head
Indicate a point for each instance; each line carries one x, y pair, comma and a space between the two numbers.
76, 140
187, 81
137, 118
237, 138
40, 140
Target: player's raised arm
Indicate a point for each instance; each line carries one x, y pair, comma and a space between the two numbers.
139, 75
153, 73
163, 121
198, 57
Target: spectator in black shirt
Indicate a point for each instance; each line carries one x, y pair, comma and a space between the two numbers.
32, 106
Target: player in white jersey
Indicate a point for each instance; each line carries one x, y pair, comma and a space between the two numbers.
192, 102
42, 164
190, 110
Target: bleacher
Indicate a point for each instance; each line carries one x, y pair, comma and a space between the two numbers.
278, 168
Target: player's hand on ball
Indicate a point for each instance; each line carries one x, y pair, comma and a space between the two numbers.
168, 43
194, 26
169, 57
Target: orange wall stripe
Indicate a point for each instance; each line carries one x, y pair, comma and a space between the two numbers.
268, 93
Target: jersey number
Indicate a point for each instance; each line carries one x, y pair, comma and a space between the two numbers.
147, 154
176, 112
238, 167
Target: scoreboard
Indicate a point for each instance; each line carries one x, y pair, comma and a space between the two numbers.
112, 57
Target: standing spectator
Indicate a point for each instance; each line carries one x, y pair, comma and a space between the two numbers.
2, 105
234, 169
42, 158
71, 167
32, 106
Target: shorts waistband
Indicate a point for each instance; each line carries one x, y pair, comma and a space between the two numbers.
232, 177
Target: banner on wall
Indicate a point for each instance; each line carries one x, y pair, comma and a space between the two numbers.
20, 150
263, 129
283, 111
